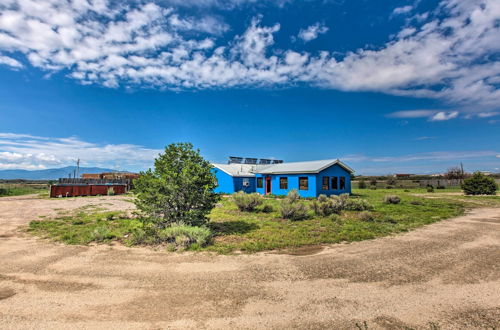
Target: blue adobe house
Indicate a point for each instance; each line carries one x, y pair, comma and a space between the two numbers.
309, 178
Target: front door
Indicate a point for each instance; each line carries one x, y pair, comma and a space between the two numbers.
268, 185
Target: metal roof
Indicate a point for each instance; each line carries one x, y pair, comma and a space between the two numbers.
247, 170
243, 170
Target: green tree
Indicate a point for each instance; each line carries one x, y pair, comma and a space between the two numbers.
362, 184
180, 189
479, 184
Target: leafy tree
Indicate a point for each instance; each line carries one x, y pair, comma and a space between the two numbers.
362, 184
180, 189
479, 184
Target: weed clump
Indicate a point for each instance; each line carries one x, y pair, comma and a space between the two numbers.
392, 199
247, 202
291, 207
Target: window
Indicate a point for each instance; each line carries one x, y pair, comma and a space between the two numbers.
284, 183
335, 184
326, 183
303, 183
260, 183
342, 183
246, 182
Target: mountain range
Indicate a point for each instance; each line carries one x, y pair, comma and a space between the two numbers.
49, 174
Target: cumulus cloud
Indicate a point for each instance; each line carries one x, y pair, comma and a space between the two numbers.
312, 32
22, 151
450, 54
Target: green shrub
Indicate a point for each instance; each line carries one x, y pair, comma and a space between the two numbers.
362, 184
441, 187
326, 207
247, 202
354, 204
110, 191
180, 188
293, 210
267, 208
389, 187
4, 192
430, 189
366, 216
184, 236
322, 198
293, 195
392, 199
479, 184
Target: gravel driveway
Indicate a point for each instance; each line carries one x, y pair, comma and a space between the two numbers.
443, 276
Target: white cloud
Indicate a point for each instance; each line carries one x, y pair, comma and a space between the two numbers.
498, 156
22, 151
442, 115
412, 114
423, 138
10, 62
436, 156
312, 32
449, 54
402, 10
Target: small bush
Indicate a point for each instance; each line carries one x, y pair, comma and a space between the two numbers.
479, 184
322, 198
373, 187
293, 210
392, 199
430, 189
366, 216
326, 207
357, 205
441, 187
293, 195
184, 235
362, 184
247, 202
407, 190
389, 187
416, 203
267, 208
111, 191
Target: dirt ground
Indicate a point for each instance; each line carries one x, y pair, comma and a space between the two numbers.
443, 276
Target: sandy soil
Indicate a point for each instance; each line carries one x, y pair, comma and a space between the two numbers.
442, 276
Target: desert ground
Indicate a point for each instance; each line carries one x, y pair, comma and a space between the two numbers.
441, 276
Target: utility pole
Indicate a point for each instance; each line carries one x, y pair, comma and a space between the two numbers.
462, 170
78, 167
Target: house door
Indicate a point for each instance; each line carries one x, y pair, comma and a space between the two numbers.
268, 185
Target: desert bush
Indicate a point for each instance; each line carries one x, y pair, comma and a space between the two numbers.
322, 198
479, 184
267, 208
353, 204
4, 192
184, 236
293, 210
101, 233
366, 216
389, 187
179, 189
416, 203
293, 195
247, 202
326, 207
110, 191
430, 189
441, 187
392, 199
362, 184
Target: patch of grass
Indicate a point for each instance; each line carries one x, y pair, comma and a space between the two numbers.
234, 230
18, 189
83, 228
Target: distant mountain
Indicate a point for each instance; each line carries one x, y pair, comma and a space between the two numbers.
48, 174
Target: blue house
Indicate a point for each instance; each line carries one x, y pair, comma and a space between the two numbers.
310, 178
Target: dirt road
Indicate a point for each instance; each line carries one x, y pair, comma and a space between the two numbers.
443, 276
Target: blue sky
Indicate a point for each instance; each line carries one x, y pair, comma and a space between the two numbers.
386, 86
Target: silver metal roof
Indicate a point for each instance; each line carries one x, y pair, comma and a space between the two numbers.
247, 170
